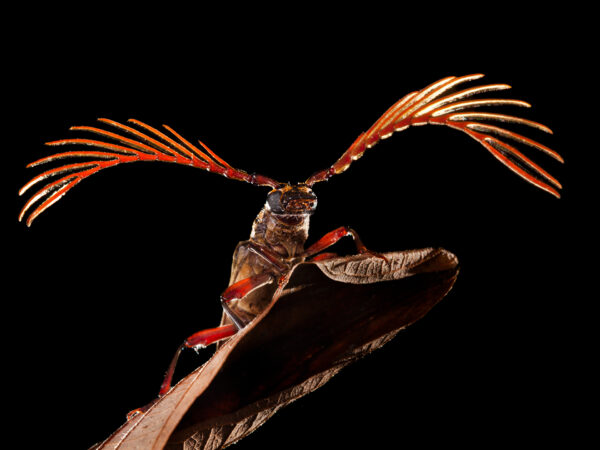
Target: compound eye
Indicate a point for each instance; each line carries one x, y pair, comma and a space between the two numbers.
274, 202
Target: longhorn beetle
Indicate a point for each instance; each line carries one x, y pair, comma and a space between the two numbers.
280, 230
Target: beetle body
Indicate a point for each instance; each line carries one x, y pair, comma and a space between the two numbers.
276, 243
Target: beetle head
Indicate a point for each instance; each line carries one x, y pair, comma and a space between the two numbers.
292, 200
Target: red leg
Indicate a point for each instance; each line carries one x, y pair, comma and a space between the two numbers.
332, 237
197, 340
323, 256
200, 339
239, 290
244, 287
206, 337
209, 336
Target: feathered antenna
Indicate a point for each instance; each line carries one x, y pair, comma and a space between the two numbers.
429, 106
154, 146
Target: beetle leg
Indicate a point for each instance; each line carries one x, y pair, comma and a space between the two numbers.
268, 255
323, 256
206, 337
239, 290
333, 236
199, 339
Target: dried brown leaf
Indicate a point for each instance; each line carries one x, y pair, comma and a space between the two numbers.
329, 314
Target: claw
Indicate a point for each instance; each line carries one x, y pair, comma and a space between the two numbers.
143, 409
366, 251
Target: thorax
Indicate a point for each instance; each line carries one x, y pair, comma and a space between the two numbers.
282, 236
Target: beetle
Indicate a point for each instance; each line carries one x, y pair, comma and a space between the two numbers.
280, 231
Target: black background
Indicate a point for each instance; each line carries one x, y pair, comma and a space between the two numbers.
109, 281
